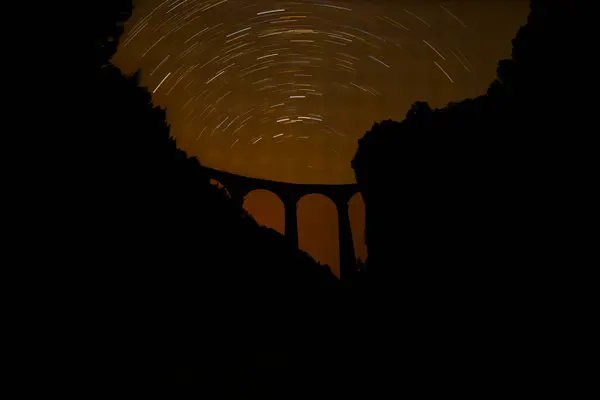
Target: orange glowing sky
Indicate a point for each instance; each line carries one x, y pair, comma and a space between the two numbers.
283, 90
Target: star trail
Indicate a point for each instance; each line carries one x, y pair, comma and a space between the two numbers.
283, 90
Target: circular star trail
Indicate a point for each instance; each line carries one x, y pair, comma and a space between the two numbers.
283, 90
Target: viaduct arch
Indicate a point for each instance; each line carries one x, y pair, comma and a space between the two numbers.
290, 193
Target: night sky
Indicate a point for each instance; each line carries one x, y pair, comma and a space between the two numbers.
284, 90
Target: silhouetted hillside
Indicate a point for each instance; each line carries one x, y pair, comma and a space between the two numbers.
479, 177
470, 218
189, 280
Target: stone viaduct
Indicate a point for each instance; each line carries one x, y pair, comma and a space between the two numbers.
290, 193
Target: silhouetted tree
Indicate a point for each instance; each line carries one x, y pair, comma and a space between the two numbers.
108, 17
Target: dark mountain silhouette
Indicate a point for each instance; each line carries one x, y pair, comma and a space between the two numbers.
478, 167
183, 288
474, 218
